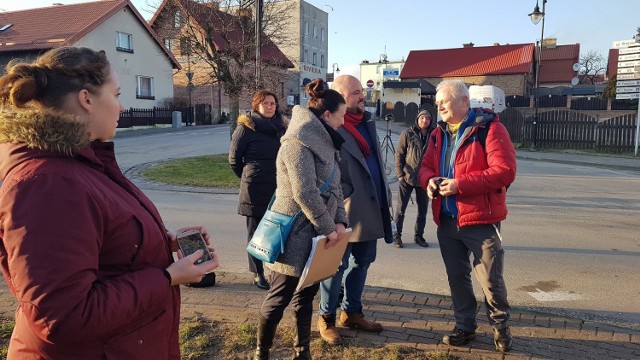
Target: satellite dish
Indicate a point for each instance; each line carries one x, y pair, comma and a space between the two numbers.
575, 81
576, 67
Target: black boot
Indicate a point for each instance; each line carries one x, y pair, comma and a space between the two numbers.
303, 337
266, 332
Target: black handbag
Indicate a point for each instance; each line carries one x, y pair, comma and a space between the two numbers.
267, 242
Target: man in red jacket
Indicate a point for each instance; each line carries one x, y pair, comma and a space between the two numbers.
469, 163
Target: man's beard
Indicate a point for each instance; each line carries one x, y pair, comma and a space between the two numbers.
355, 110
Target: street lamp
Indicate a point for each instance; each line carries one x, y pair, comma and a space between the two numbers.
335, 68
536, 16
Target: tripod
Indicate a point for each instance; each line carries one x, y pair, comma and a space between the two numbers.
386, 146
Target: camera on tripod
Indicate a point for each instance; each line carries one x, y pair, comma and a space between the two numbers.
388, 117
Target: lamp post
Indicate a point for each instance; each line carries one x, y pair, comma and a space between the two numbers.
334, 70
536, 16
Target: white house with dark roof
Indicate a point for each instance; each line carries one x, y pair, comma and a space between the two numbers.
143, 64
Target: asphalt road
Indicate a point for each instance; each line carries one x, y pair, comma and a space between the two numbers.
571, 238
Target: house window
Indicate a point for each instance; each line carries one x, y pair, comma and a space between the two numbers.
185, 46
306, 28
306, 56
144, 89
322, 34
321, 60
176, 20
315, 59
315, 32
169, 44
123, 42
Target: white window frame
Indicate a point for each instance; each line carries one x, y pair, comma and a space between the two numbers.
124, 42
168, 43
176, 20
139, 87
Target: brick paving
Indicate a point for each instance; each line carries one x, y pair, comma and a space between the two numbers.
418, 320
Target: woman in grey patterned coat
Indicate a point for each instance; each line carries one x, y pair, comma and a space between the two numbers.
307, 158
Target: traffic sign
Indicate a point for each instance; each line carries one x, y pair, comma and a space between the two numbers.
629, 63
370, 83
621, 44
628, 83
629, 57
631, 76
628, 96
630, 50
628, 89
628, 70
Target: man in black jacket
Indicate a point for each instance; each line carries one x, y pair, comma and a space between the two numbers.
411, 148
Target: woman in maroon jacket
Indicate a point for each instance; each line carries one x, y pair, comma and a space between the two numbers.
83, 250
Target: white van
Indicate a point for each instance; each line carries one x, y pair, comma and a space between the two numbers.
488, 97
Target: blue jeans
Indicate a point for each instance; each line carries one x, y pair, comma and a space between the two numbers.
353, 273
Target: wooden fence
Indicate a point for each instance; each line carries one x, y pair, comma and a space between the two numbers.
567, 129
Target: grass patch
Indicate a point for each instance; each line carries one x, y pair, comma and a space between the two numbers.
203, 339
6, 328
203, 171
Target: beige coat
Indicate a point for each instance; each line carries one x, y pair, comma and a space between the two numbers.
305, 161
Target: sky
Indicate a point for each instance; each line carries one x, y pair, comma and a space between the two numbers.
366, 29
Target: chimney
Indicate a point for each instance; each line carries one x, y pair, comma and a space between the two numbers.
469, 45
550, 43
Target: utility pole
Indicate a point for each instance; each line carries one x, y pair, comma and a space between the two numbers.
258, 31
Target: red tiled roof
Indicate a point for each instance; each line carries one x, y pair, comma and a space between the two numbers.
227, 34
469, 61
557, 63
49, 27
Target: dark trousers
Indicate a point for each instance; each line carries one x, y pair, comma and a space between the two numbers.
255, 265
282, 293
484, 243
422, 200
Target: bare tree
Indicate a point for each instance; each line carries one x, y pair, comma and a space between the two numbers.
592, 66
217, 38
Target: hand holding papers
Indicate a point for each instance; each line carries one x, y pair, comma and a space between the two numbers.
323, 263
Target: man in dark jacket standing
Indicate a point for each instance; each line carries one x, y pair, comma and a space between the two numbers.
469, 164
411, 148
366, 199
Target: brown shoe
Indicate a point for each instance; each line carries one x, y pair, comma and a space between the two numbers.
328, 331
357, 321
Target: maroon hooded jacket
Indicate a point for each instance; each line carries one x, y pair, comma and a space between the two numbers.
81, 248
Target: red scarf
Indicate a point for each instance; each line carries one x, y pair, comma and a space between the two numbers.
350, 122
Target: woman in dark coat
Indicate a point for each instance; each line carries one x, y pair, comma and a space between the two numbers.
252, 156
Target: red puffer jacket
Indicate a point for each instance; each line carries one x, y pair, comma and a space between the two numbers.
482, 172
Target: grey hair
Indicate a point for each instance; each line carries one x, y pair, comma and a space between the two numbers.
458, 88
